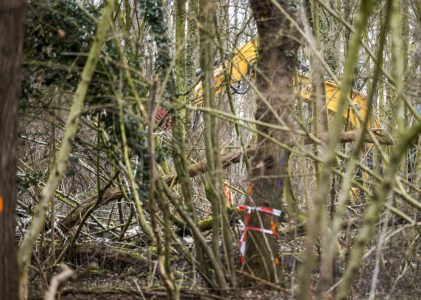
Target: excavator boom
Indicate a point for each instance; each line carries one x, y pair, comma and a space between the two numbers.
239, 67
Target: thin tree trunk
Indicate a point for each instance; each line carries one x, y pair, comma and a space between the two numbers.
329, 159
60, 164
214, 188
179, 118
11, 35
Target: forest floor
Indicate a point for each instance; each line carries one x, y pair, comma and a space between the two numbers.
124, 286
106, 269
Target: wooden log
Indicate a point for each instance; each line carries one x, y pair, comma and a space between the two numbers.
114, 193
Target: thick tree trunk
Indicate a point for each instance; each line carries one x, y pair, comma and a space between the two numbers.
11, 36
277, 53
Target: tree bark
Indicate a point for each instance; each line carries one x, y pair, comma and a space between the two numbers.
277, 54
11, 35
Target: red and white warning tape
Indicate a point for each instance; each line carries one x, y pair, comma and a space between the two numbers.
268, 210
246, 227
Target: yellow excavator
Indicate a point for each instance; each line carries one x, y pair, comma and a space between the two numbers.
240, 70
241, 67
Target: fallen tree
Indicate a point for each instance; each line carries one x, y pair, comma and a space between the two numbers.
115, 193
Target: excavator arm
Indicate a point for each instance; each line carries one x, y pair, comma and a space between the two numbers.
240, 67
